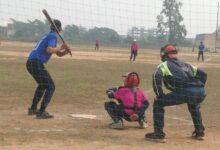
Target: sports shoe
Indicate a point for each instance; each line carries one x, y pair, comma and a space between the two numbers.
43, 115
198, 135
143, 124
32, 111
155, 137
117, 125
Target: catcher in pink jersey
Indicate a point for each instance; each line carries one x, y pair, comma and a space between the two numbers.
132, 102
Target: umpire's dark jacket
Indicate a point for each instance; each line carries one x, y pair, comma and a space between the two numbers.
176, 74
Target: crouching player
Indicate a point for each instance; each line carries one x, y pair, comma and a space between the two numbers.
132, 103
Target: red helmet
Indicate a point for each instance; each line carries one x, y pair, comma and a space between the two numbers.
131, 79
168, 51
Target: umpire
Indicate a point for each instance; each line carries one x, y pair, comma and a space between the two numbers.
186, 85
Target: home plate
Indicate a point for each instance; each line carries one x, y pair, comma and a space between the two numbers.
83, 116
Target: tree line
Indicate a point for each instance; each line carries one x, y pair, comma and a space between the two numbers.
170, 29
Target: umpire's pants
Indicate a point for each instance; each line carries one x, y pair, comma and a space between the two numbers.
46, 85
192, 96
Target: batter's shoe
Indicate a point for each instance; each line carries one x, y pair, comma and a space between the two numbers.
198, 135
117, 125
44, 115
155, 137
32, 111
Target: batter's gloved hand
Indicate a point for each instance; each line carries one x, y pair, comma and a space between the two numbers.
65, 46
68, 51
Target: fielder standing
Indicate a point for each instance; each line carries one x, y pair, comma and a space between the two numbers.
134, 50
186, 85
201, 51
97, 43
35, 66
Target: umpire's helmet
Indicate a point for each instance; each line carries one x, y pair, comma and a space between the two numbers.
131, 79
58, 25
168, 51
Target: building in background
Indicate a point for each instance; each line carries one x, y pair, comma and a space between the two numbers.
136, 32
209, 40
10, 30
7, 31
3, 32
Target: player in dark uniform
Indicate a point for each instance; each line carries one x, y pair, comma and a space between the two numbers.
97, 43
201, 51
186, 84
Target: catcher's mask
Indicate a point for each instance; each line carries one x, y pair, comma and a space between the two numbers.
58, 25
131, 79
168, 51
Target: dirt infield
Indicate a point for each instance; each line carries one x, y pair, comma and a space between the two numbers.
21, 132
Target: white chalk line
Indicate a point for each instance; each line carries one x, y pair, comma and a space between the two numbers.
44, 130
95, 117
103, 117
185, 121
84, 116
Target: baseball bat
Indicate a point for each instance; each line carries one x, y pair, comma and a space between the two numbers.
55, 27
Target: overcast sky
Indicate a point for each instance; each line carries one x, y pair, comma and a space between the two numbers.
199, 15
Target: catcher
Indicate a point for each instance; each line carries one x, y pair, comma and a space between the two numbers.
132, 103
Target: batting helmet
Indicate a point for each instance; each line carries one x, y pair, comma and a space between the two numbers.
57, 24
168, 51
131, 79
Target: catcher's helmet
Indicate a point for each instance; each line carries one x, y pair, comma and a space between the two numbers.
131, 79
58, 25
168, 51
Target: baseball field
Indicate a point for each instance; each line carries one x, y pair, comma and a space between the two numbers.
81, 82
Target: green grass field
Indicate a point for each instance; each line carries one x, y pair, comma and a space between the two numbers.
80, 89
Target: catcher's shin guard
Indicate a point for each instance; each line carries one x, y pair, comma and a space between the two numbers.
114, 111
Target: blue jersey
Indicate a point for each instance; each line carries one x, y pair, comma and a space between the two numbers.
40, 50
201, 47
